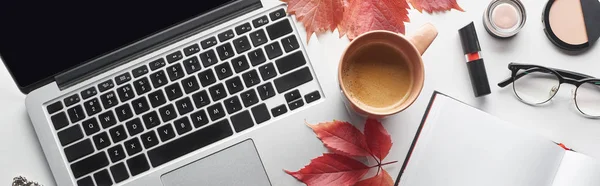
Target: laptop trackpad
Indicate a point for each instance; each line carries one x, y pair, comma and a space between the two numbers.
235, 165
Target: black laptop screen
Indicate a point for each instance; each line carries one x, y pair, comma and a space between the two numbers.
41, 38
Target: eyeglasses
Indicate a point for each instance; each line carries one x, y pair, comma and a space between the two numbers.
537, 85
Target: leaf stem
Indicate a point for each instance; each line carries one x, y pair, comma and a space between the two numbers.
381, 165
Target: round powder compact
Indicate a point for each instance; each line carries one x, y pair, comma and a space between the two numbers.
572, 25
504, 18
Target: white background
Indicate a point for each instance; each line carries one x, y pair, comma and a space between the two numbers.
446, 71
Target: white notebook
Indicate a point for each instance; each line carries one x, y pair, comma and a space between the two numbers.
458, 145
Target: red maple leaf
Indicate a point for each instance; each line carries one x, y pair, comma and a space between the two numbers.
378, 140
342, 138
331, 169
316, 15
431, 6
361, 16
381, 179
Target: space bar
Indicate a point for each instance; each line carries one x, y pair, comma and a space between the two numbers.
189, 143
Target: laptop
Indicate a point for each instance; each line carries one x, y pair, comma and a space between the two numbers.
168, 92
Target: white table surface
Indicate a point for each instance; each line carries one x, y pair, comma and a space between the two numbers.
446, 71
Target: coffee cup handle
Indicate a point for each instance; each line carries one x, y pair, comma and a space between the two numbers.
424, 37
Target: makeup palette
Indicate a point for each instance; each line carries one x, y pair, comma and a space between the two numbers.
504, 18
572, 25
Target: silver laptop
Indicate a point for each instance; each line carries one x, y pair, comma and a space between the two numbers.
168, 93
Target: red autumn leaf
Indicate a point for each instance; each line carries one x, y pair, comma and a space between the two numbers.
381, 179
361, 16
331, 169
378, 139
342, 138
431, 6
317, 15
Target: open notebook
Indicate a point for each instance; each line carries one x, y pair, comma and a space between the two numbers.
458, 145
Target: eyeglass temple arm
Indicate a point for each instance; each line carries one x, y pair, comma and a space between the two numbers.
564, 73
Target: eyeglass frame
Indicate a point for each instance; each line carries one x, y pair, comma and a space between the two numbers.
564, 76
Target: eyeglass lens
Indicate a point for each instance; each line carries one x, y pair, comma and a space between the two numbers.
587, 98
536, 86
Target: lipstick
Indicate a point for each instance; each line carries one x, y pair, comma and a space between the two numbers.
475, 65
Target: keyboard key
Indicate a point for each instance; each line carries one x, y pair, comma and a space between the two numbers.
201, 99
216, 111
116, 153
234, 85
240, 64
261, 113
107, 119
277, 14
189, 143
191, 65
290, 43
87, 181
279, 110
175, 72
251, 78
119, 172
279, 29
223, 71
125, 93
90, 126
182, 125
292, 96
78, 150
313, 96
87, 93
265, 91
104, 86
199, 118
132, 146
258, 37
260, 21
273, 50
149, 139
158, 79
157, 98
101, 141
167, 113
192, 49
54, 107
71, 100
156, 64
207, 77
224, 36
134, 126
89, 164
209, 58
212, 41
142, 86
242, 121
92, 107
290, 62
267, 71
140, 105
166, 132
190, 84
232, 105
59, 120
256, 57
123, 78
70, 135
151, 120
109, 99
138, 164
123, 112
217, 92
103, 178
249, 98
241, 44
175, 56
243, 28
173, 91
184, 106
296, 104
76, 114
139, 71
293, 80
225, 51
118, 134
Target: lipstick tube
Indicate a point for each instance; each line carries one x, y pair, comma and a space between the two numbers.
475, 65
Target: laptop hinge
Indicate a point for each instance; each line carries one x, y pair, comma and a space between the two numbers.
160, 40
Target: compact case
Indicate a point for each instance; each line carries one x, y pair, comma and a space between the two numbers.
572, 25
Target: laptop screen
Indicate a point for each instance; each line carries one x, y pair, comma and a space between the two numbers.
39, 39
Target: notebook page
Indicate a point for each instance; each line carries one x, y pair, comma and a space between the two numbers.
463, 146
577, 170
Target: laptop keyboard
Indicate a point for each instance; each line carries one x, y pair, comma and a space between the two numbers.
201, 93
